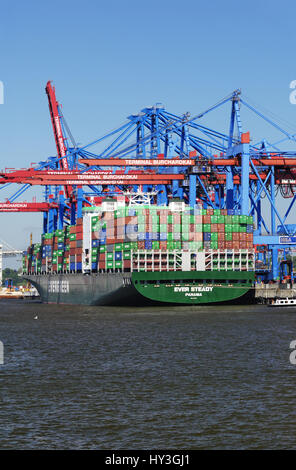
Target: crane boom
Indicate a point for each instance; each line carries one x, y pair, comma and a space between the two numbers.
57, 130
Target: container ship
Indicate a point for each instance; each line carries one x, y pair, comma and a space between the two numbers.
138, 254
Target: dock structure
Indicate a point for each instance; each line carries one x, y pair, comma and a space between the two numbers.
265, 293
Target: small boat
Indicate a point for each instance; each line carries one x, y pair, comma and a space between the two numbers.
283, 303
10, 294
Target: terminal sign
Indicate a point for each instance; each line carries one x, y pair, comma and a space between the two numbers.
287, 240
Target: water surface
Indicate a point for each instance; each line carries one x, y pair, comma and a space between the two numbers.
146, 378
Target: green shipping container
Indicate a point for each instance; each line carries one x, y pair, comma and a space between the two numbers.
206, 227
176, 228
185, 228
242, 219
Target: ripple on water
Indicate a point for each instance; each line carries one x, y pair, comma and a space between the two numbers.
114, 378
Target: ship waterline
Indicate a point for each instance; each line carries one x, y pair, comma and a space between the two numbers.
140, 288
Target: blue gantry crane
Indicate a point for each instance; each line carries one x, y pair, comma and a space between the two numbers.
169, 156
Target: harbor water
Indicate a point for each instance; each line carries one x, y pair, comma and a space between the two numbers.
146, 378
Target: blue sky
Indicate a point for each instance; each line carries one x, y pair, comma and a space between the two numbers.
110, 59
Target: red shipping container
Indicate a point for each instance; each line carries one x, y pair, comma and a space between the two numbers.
221, 236
206, 219
198, 236
111, 241
235, 236
108, 215
112, 222
79, 236
228, 245
221, 245
95, 235
177, 218
221, 227
210, 211
214, 228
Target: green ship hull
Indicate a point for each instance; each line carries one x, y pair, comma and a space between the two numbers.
142, 288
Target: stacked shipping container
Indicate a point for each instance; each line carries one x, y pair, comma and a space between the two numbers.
153, 232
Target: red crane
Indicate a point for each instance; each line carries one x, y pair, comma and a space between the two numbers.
57, 130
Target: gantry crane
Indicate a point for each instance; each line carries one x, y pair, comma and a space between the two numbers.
170, 156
